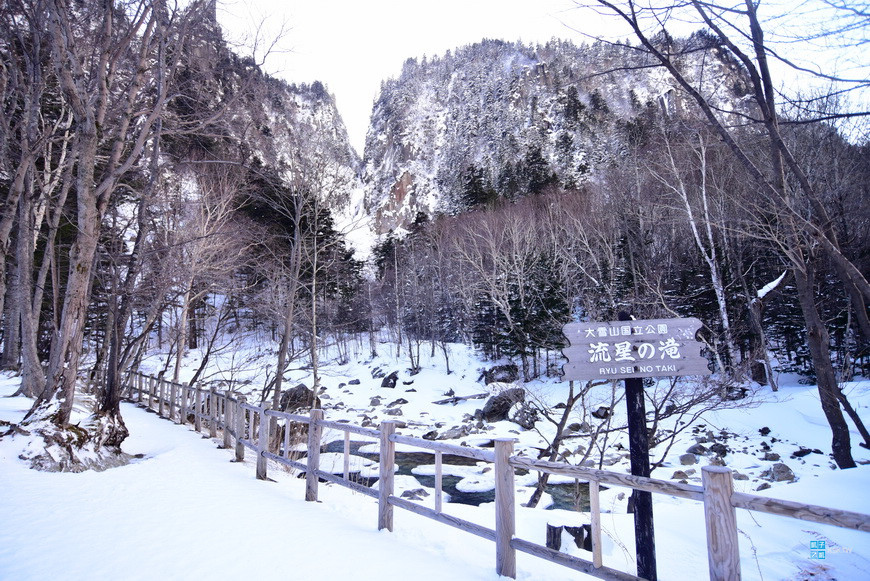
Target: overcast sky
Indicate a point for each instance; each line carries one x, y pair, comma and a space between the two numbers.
353, 45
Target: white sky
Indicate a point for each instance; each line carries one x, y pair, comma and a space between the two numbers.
351, 46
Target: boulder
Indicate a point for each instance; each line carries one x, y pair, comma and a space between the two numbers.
697, 449
688, 459
779, 473
498, 407
719, 449
602, 413
416, 494
771, 457
390, 380
297, 398
525, 417
501, 374
455, 432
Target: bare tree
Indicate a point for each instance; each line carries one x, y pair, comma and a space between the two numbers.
782, 180
104, 56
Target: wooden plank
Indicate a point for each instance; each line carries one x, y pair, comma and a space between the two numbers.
314, 432
819, 514
575, 563
367, 432
505, 519
289, 417
720, 517
438, 481
475, 453
197, 411
385, 481
636, 482
239, 413
161, 398
286, 451
262, 446
286, 461
173, 394
346, 471
212, 414
464, 525
595, 514
227, 421
355, 486
182, 404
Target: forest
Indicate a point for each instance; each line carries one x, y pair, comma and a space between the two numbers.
160, 192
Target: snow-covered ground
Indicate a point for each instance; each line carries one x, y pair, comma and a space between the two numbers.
184, 510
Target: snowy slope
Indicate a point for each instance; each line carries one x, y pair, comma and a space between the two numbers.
177, 512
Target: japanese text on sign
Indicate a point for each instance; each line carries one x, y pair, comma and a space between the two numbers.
648, 348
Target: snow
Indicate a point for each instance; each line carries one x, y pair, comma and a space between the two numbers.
763, 291
185, 510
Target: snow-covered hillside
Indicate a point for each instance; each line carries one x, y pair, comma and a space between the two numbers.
184, 504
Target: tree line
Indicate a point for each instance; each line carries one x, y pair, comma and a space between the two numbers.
147, 203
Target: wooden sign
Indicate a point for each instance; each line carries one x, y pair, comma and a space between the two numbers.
640, 348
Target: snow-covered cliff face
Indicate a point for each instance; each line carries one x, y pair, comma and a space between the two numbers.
288, 133
505, 119
298, 130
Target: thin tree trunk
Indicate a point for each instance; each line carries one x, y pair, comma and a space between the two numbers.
817, 340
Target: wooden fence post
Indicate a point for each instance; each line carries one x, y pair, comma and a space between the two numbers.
226, 408
173, 395
182, 406
505, 520
438, 481
313, 465
723, 553
160, 397
151, 384
197, 410
595, 526
385, 479
262, 444
212, 414
139, 381
239, 411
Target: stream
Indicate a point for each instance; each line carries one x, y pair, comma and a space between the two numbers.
570, 496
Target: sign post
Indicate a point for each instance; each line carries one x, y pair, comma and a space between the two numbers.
631, 350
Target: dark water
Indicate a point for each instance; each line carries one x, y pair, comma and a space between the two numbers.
574, 496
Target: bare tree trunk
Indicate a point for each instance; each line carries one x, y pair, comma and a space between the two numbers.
182, 330
818, 340
33, 376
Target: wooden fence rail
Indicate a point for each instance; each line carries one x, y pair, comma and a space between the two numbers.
249, 427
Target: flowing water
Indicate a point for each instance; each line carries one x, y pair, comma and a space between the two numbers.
572, 496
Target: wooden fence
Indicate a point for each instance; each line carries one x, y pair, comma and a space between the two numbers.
244, 426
